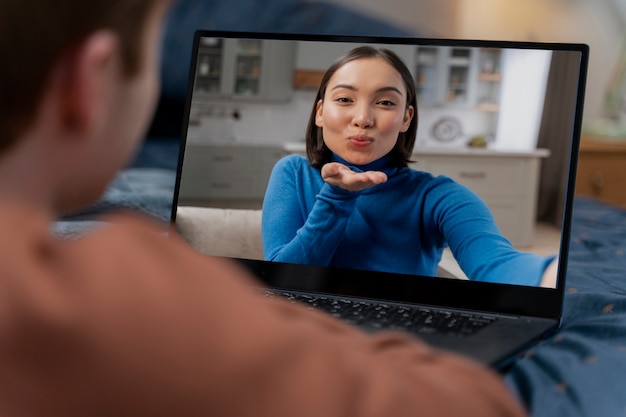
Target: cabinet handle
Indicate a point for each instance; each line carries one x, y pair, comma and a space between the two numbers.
220, 185
473, 175
222, 158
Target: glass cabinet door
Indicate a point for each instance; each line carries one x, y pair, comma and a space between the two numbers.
458, 69
210, 66
244, 69
489, 80
248, 65
444, 76
427, 72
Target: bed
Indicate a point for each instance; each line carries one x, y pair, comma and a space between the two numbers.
582, 369
579, 371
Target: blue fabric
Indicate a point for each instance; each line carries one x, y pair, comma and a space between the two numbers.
399, 226
581, 370
146, 190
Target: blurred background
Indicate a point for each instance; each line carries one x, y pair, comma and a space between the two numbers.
598, 23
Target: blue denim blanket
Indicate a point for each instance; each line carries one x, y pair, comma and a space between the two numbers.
581, 370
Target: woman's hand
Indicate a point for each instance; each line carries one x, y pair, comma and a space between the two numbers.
343, 177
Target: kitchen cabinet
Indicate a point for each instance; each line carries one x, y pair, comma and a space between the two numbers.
244, 69
457, 77
488, 80
227, 172
602, 170
506, 181
444, 76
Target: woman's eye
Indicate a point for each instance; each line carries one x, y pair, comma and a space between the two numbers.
343, 100
387, 103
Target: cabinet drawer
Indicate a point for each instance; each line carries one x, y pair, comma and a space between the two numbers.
485, 176
227, 172
197, 188
216, 163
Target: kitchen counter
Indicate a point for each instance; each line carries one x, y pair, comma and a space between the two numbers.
300, 147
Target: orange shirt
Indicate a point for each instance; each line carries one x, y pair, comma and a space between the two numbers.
128, 322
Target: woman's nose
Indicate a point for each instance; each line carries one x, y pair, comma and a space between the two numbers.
363, 117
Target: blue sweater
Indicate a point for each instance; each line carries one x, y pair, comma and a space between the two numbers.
400, 226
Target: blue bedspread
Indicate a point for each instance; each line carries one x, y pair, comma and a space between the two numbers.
581, 370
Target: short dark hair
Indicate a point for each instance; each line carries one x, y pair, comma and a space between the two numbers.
35, 33
319, 154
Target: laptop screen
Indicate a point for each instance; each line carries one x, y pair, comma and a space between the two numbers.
480, 192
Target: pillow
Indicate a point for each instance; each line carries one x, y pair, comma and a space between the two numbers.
234, 233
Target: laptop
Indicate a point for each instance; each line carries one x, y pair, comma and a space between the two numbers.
502, 118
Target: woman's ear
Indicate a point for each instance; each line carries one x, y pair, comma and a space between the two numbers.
408, 116
319, 121
85, 80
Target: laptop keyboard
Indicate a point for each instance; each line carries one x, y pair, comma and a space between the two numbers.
380, 315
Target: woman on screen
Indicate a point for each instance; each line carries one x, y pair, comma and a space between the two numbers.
355, 203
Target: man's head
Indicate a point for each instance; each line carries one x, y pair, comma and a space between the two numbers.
34, 34
81, 70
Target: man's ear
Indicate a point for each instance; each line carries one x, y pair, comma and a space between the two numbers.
84, 80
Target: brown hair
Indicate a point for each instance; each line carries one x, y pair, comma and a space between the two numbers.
319, 154
35, 33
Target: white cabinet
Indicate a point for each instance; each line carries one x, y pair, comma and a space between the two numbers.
457, 77
488, 80
444, 75
506, 181
227, 172
244, 69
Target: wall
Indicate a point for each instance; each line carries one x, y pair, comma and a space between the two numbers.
257, 123
429, 17
599, 23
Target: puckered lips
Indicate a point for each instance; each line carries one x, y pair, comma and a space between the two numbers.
360, 141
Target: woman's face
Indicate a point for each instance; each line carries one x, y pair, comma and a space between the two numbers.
363, 110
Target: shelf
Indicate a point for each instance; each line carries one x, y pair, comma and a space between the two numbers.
492, 77
307, 78
603, 145
488, 107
